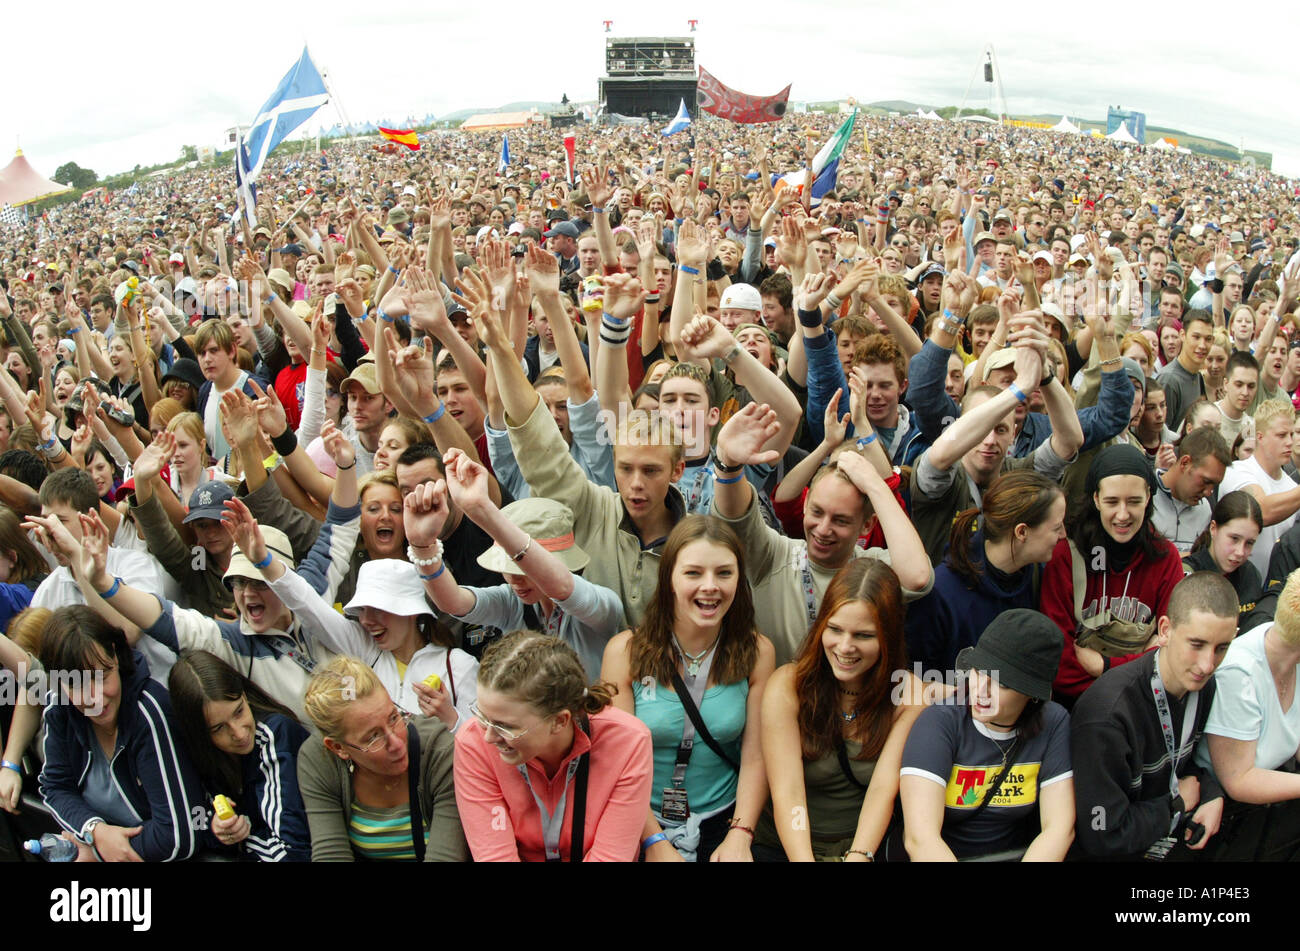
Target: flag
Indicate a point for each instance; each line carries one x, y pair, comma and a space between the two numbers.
504, 161
406, 137
569, 160
680, 122
728, 103
300, 93
244, 186
826, 164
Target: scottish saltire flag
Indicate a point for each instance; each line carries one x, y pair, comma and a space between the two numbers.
300, 93
826, 164
681, 121
244, 187
504, 161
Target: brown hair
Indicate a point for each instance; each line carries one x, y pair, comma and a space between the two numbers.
28, 562
880, 349
873, 582
652, 649
543, 672
1022, 497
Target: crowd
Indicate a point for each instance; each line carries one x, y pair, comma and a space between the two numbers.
445, 512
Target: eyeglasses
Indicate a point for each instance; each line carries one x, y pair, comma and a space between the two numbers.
509, 736
397, 723
255, 584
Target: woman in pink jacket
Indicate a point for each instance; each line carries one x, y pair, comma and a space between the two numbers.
547, 754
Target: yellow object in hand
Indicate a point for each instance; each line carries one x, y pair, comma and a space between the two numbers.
433, 682
223, 807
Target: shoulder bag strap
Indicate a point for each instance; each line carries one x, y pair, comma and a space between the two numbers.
578, 830
997, 783
843, 754
1077, 573
413, 789
701, 730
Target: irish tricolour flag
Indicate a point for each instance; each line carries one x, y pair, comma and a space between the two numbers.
826, 164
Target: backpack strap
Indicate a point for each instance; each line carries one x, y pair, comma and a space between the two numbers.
1078, 573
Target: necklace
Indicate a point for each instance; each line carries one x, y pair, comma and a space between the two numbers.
693, 661
851, 693
849, 717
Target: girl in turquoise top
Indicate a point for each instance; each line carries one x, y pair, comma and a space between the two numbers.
698, 636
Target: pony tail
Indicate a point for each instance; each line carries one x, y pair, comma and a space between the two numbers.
597, 697
963, 527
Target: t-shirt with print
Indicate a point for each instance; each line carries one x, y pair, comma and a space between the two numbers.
948, 747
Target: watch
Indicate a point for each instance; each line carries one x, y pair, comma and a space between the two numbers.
1049, 373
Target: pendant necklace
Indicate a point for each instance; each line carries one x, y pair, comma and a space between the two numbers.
693, 661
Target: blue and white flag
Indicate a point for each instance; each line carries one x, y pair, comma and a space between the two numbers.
300, 93
681, 121
505, 154
244, 186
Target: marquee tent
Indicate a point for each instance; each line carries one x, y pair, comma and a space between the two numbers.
20, 184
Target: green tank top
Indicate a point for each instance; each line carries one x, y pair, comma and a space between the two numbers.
382, 834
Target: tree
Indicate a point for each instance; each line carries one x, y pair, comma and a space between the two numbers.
70, 173
189, 153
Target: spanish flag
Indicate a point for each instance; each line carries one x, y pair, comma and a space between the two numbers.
404, 137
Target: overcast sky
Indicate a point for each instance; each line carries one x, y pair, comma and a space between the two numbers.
110, 87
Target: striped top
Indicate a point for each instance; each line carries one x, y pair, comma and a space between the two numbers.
382, 834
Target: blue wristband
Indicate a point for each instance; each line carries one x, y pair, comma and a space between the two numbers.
263, 563
117, 583
865, 441
597, 211
1018, 393
393, 271
268, 299
382, 316
616, 321
73, 330
734, 479
436, 414
688, 270
436, 574
654, 840
5, 764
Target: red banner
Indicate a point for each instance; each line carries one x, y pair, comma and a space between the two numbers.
727, 103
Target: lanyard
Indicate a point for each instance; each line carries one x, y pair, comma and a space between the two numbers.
554, 621
695, 687
552, 822
1166, 722
695, 496
806, 580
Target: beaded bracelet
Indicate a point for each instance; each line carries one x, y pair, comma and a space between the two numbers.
425, 562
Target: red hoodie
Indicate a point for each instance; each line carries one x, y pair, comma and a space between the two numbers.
1138, 592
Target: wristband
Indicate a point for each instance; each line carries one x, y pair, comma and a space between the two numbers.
654, 840
597, 211
47, 446
285, 443
74, 330
393, 271
865, 441
721, 466
652, 298
1049, 374
437, 574
609, 318
436, 414
267, 300
1018, 393
271, 461
117, 583
340, 468
809, 318
833, 300
868, 855
382, 316
737, 824
687, 269
730, 356
265, 562
734, 479
5, 764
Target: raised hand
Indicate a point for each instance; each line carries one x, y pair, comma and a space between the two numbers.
353, 298
705, 337
423, 299
95, 539
836, 427
270, 411
412, 368
813, 290
741, 440
424, 513
338, 445
467, 482
624, 296
543, 270
240, 525
858, 401
596, 182
692, 245
239, 418
150, 463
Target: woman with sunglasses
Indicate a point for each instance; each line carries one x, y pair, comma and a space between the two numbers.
550, 754
377, 783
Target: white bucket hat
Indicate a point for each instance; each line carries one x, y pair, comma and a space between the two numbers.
391, 585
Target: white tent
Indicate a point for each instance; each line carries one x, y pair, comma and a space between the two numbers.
1065, 125
1122, 135
931, 115
979, 119
1163, 145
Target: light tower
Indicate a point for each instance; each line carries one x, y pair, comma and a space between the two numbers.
993, 79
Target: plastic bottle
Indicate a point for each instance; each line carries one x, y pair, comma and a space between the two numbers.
52, 848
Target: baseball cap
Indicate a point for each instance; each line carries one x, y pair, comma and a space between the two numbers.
1002, 358
206, 501
567, 228
741, 297
981, 237
931, 269
363, 376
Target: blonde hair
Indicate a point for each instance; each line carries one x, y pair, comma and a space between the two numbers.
334, 688
642, 428
377, 477
1270, 410
27, 627
165, 410
191, 424
1287, 619
543, 672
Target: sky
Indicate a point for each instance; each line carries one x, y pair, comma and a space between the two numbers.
109, 88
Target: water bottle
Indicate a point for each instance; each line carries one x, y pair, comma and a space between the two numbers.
52, 848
